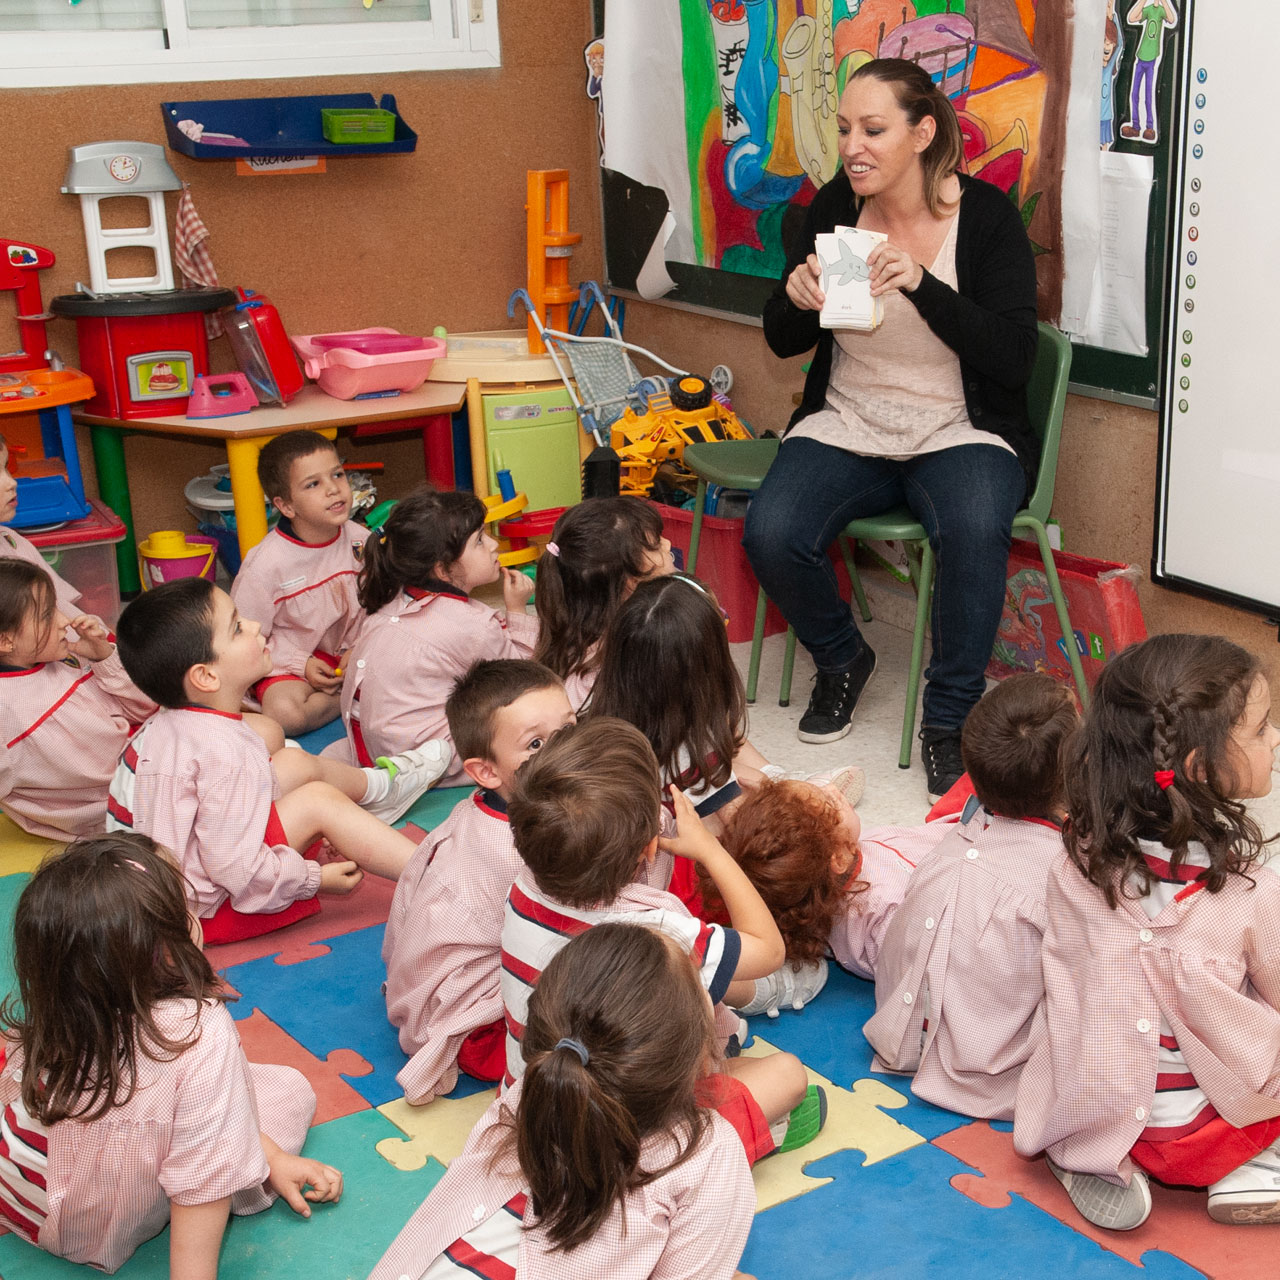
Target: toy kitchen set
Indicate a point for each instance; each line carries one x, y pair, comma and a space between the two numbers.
142, 341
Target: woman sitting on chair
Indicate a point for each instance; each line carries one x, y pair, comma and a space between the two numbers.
929, 409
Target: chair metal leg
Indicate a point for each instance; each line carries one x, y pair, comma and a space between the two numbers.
854, 580
788, 665
695, 534
1060, 604
757, 644
924, 590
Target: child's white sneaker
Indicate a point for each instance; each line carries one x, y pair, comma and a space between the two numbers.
1250, 1193
412, 772
792, 987
1104, 1203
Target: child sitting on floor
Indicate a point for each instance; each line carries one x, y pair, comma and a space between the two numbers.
199, 781
1161, 1036
585, 816
299, 582
425, 632
599, 552
959, 990
126, 1102
12, 543
443, 941
603, 1161
68, 709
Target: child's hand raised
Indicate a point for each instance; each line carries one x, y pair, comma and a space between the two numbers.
291, 1174
692, 840
320, 675
339, 877
94, 641
517, 590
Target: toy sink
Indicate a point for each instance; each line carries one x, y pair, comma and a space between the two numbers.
367, 361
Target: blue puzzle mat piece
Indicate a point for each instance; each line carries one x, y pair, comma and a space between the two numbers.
827, 1037
859, 1226
332, 1002
345, 1239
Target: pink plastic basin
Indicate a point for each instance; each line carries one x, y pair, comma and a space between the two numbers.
344, 372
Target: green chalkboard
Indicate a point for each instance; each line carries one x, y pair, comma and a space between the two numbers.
632, 214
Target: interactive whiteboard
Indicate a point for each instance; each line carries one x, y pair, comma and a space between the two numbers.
1218, 497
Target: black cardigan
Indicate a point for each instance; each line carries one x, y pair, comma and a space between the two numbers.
989, 320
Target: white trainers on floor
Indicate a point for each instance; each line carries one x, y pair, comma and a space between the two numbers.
1104, 1203
1249, 1194
791, 987
412, 773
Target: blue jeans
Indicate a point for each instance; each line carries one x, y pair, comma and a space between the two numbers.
965, 498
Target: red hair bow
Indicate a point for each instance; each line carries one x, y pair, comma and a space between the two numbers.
1164, 779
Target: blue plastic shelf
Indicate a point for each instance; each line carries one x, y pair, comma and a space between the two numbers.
278, 126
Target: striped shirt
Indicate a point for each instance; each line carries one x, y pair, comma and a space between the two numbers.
1179, 1106
24, 1170
535, 927
490, 1251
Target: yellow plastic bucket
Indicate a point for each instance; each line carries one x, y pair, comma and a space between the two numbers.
170, 554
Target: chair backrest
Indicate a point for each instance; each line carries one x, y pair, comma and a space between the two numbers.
1046, 399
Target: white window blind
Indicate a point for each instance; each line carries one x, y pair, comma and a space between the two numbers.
50, 43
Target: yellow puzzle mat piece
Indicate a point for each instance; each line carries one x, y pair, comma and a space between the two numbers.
20, 851
855, 1122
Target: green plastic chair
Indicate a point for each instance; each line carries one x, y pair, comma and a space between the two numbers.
742, 464
1046, 399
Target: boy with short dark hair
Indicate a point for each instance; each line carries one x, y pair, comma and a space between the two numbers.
299, 582
443, 940
585, 814
199, 781
959, 990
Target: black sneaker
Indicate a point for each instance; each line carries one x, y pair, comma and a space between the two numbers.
943, 766
835, 698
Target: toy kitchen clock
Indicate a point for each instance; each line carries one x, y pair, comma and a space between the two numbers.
142, 341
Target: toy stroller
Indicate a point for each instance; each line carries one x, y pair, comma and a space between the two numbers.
648, 421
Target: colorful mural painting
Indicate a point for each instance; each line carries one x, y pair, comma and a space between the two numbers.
762, 80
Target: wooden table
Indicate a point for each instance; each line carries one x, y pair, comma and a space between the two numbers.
428, 409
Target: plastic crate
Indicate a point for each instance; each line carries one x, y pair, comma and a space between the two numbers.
356, 124
84, 553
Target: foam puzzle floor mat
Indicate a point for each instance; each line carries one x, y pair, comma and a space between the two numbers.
893, 1187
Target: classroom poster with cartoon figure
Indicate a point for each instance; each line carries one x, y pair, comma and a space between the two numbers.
729, 108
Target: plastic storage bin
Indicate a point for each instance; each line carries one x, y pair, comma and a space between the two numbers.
83, 552
353, 124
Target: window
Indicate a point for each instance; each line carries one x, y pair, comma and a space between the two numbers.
50, 43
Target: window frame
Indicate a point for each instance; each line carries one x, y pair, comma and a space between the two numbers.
460, 34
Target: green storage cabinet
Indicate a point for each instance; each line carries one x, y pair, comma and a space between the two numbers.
534, 435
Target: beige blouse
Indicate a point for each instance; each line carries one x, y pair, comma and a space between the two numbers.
896, 392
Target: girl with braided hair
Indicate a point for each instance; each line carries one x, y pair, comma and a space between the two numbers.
1160, 1055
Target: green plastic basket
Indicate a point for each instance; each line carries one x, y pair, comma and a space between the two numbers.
358, 124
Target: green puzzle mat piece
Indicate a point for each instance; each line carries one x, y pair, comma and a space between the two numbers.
340, 1240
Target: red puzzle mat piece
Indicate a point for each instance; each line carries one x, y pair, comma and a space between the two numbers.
367, 904
264, 1042
1179, 1224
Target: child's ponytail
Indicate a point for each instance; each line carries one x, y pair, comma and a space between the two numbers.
618, 1032
425, 532
598, 551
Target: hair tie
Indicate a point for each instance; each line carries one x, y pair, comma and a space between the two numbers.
576, 1045
382, 540
554, 549
1164, 779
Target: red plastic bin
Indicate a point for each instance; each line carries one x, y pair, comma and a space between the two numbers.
83, 552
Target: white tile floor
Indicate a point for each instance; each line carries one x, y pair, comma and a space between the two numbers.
893, 795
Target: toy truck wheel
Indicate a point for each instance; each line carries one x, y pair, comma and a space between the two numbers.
722, 379
691, 392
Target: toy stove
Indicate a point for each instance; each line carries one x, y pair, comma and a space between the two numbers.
54, 491
143, 350
142, 341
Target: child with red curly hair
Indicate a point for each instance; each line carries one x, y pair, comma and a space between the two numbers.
827, 884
